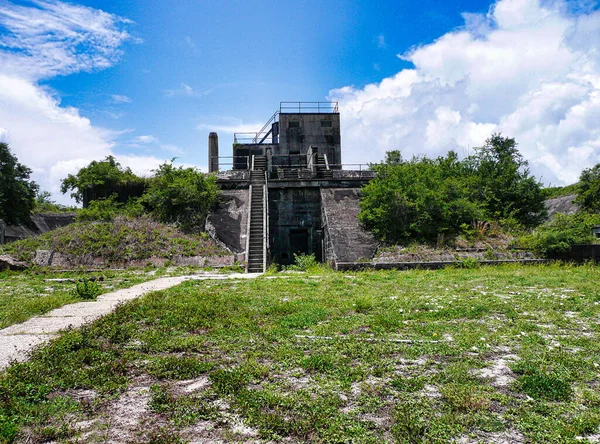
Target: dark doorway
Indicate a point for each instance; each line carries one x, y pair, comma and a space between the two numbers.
299, 241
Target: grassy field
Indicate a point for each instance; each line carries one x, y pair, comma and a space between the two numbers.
504, 354
27, 294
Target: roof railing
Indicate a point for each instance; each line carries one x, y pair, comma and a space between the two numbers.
309, 107
263, 134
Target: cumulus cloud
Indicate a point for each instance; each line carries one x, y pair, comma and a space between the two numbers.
39, 41
527, 69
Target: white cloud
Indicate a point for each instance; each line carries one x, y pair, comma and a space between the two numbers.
117, 98
380, 40
4, 135
183, 90
172, 149
51, 38
528, 70
40, 41
145, 139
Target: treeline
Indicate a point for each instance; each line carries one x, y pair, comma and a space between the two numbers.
424, 199
174, 195
436, 200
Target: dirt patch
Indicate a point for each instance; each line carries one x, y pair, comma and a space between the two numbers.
506, 437
499, 371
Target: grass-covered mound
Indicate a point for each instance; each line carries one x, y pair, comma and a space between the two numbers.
118, 241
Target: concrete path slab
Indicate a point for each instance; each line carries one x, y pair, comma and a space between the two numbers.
17, 341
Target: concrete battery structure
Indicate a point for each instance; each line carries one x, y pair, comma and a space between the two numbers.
285, 191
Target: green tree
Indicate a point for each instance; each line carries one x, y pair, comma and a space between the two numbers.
17, 191
417, 199
102, 177
183, 196
589, 189
500, 180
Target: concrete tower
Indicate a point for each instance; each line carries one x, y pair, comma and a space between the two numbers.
213, 152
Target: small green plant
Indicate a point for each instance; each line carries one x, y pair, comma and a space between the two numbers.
87, 289
540, 383
468, 263
303, 262
363, 304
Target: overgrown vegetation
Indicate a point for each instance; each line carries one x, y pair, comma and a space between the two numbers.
558, 235
180, 195
17, 191
116, 242
100, 180
430, 199
503, 354
174, 195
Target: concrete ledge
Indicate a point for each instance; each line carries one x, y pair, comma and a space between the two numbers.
355, 266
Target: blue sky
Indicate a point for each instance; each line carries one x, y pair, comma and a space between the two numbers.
148, 80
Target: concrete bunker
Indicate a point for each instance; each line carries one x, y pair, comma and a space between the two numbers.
292, 192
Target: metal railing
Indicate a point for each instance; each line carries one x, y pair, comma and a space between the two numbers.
265, 133
234, 161
265, 223
309, 107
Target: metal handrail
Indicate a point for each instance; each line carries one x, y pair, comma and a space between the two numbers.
248, 228
320, 107
265, 223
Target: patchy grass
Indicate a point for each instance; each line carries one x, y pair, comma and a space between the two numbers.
503, 354
27, 294
115, 242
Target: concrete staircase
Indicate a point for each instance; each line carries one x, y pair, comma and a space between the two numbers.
323, 171
256, 234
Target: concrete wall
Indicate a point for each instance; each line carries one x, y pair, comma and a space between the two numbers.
345, 239
228, 225
563, 204
294, 223
40, 223
310, 132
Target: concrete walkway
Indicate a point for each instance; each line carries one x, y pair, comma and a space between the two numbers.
18, 340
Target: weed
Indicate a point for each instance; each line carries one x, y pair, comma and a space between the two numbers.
363, 304
467, 263
87, 289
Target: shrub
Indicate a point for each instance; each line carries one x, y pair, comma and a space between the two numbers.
557, 236
100, 210
182, 196
589, 189
87, 289
427, 200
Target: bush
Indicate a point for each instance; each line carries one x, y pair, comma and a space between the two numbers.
417, 200
100, 210
589, 189
87, 289
557, 236
182, 196
427, 200
100, 180
303, 262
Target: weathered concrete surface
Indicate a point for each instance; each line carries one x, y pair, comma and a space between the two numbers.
228, 225
9, 263
40, 223
18, 340
563, 205
345, 239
